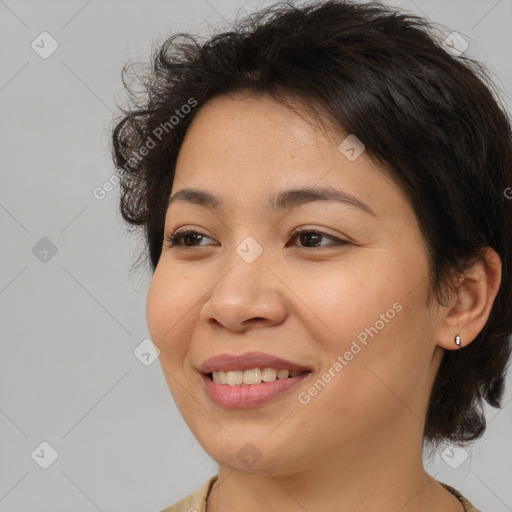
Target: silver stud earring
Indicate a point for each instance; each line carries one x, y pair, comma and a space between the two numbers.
458, 341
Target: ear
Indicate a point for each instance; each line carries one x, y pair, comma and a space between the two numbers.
467, 312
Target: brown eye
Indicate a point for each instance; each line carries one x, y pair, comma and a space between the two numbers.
309, 239
312, 239
190, 237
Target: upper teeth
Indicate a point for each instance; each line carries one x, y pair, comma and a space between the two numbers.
253, 376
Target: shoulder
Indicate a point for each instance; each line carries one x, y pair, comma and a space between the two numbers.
468, 507
195, 502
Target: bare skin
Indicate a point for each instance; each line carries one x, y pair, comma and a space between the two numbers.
356, 445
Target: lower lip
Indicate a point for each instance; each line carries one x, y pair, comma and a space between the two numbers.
249, 395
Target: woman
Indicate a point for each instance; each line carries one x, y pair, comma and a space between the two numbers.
323, 195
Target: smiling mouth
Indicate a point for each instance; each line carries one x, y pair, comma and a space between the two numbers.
253, 376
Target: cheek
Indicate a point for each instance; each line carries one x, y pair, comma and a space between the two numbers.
169, 315
374, 318
340, 301
387, 363
157, 304
369, 385
169, 301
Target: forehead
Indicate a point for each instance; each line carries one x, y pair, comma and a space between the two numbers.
241, 134
247, 148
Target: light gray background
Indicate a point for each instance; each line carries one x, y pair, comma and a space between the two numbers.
69, 326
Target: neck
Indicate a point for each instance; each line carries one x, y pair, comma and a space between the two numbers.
370, 476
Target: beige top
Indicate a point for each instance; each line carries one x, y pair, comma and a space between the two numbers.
196, 502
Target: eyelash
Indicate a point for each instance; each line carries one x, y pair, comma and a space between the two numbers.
179, 235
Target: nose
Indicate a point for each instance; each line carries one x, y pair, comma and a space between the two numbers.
248, 295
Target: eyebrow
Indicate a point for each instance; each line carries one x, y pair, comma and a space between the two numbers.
286, 199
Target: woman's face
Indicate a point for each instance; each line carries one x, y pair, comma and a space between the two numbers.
345, 300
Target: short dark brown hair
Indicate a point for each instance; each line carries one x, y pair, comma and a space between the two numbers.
434, 120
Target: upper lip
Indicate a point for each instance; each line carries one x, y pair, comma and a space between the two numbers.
247, 361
